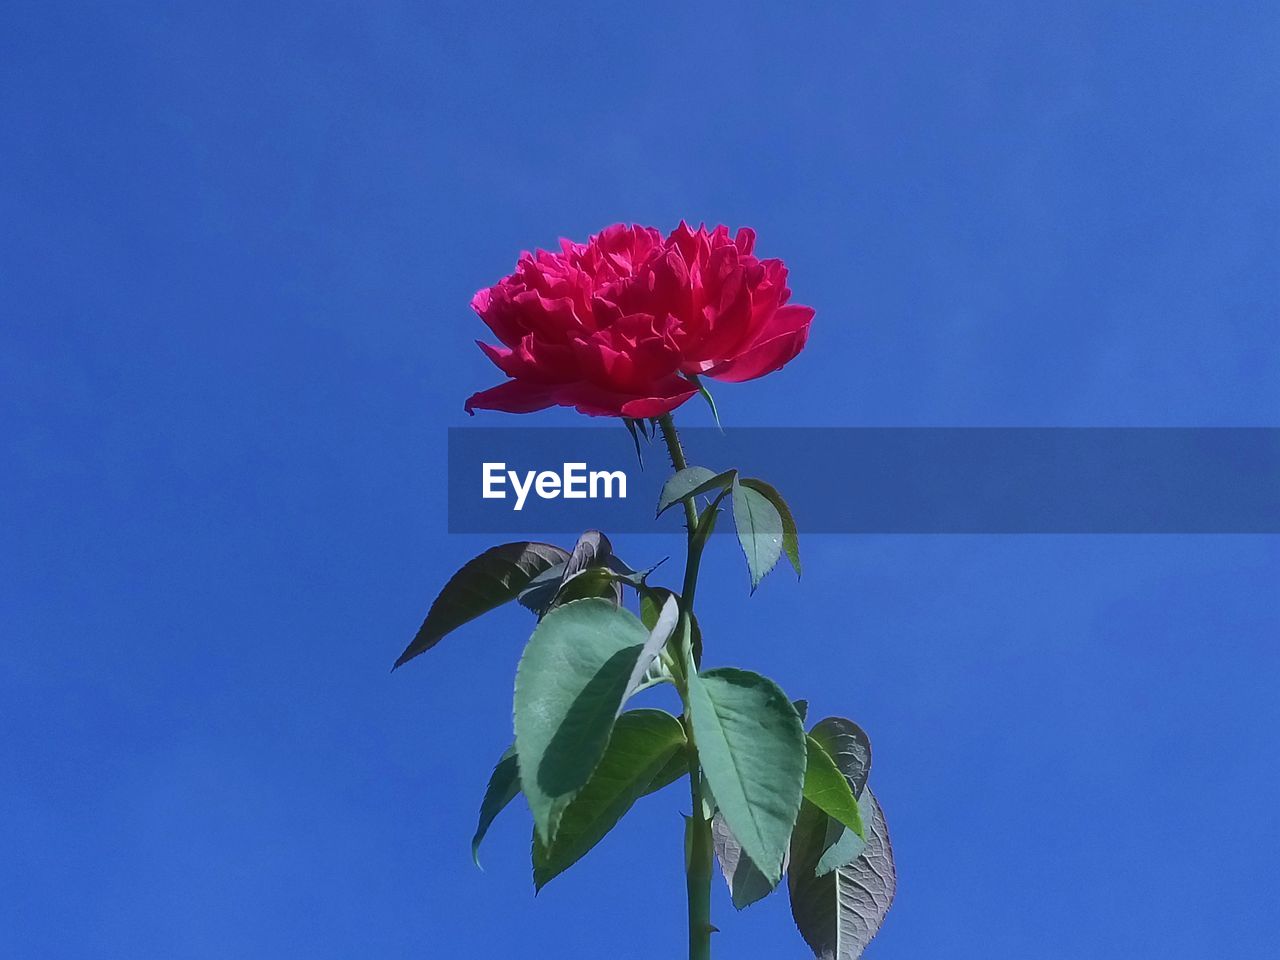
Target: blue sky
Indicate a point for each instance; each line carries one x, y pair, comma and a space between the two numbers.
237, 249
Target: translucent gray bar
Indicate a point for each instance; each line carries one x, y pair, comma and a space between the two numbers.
894, 480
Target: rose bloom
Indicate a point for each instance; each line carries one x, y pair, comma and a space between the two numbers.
616, 326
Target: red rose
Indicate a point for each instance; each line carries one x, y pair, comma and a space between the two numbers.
614, 326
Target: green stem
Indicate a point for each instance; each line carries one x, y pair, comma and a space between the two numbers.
698, 869
698, 845
678, 462
694, 558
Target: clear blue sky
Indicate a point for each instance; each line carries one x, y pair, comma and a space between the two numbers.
237, 243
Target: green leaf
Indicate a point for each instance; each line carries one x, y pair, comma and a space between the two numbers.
692, 482
643, 742
674, 769
569, 688
706, 395
827, 789
751, 743
541, 590
651, 601
552, 588
623, 573
504, 786
747, 884
664, 625
591, 582
695, 641
759, 531
592, 549
790, 535
840, 912
707, 520
841, 846
850, 748
488, 581
585, 572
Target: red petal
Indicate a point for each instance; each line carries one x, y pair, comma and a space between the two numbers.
596, 402
768, 355
514, 396
655, 406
